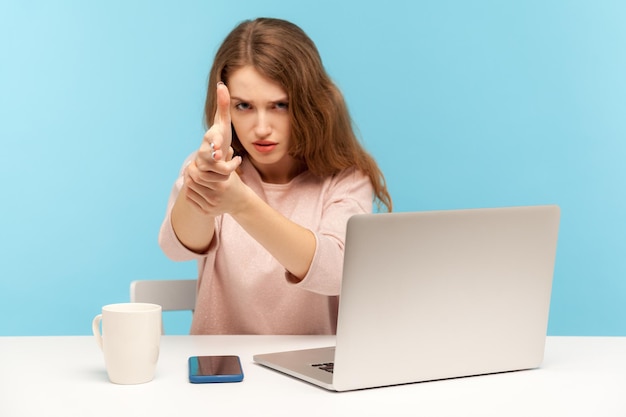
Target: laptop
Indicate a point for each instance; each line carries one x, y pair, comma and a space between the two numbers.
436, 295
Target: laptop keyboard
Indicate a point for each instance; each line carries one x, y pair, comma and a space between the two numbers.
328, 366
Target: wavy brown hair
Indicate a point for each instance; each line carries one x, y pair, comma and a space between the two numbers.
321, 128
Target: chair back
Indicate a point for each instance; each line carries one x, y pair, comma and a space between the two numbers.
171, 295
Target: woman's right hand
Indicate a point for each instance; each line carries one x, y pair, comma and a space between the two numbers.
206, 176
217, 140
206, 181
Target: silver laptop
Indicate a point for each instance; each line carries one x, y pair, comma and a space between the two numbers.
436, 295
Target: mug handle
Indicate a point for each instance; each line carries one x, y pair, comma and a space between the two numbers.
95, 327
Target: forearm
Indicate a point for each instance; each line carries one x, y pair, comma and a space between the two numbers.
292, 245
193, 228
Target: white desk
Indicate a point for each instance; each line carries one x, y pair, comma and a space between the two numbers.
65, 376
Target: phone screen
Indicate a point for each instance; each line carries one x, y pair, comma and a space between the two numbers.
215, 369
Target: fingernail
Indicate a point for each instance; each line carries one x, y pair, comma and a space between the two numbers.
220, 83
213, 155
212, 145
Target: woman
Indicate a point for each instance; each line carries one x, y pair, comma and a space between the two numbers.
267, 226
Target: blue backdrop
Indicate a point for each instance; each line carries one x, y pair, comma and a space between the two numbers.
464, 104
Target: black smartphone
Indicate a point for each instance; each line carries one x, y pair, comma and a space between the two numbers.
203, 369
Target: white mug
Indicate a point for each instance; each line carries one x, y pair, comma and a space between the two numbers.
131, 333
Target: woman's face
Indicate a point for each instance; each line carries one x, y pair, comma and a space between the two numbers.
260, 115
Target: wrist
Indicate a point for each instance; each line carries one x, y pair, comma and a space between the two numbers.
247, 204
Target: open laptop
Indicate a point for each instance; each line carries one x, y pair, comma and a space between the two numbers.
436, 295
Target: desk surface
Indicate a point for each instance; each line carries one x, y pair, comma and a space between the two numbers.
65, 376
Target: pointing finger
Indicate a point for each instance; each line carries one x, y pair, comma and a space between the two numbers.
222, 114
222, 122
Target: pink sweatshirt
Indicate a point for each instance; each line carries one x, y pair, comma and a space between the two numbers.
242, 289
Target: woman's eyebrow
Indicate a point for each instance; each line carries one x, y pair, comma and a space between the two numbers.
274, 101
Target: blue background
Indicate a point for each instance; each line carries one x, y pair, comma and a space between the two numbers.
463, 104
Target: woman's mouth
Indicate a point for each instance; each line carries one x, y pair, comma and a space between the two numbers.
264, 146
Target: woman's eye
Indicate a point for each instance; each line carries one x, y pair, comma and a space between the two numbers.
242, 106
282, 105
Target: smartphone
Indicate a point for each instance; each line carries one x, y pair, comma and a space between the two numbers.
203, 369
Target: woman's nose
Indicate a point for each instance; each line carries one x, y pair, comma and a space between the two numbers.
263, 126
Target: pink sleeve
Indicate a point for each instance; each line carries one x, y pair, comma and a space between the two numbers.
352, 193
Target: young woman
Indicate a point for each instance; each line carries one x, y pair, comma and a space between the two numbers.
262, 205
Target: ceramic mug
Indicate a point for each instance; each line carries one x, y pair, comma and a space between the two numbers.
131, 334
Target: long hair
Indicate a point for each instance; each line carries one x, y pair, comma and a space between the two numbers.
321, 128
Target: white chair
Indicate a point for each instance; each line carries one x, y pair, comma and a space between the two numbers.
171, 295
